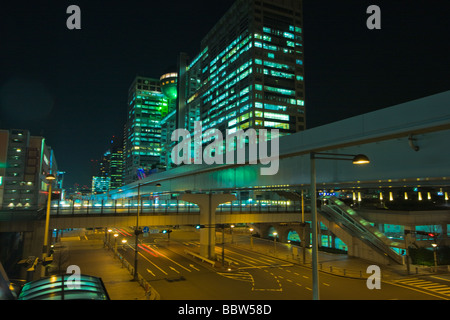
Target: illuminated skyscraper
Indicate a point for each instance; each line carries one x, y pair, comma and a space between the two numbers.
100, 184
111, 164
25, 161
249, 72
147, 105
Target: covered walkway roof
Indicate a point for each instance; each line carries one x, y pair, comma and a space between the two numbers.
59, 287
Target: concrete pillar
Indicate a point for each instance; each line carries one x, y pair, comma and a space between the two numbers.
208, 204
444, 236
32, 246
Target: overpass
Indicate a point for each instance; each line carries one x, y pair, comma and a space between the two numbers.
406, 144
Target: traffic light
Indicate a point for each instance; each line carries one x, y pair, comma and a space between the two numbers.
199, 226
427, 233
166, 231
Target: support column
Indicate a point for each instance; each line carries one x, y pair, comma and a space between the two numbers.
208, 204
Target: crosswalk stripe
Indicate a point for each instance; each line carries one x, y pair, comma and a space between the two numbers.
240, 276
427, 285
434, 287
412, 281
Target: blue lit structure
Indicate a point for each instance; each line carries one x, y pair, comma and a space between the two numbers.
56, 288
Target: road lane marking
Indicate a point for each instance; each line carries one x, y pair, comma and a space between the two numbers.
150, 271
174, 269
172, 261
255, 259
404, 285
153, 263
239, 276
440, 278
192, 266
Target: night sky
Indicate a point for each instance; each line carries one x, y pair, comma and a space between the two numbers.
71, 85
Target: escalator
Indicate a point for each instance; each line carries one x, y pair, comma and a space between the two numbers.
348, 219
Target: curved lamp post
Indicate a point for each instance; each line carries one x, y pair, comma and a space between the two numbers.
50, 178
356, 159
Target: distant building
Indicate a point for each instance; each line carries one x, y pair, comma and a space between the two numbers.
100, 184
25, 161
111, 163
147, 106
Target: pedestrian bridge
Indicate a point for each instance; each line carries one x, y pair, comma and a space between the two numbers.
123, 213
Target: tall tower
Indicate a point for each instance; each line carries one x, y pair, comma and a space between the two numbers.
249, 73
147, 105
169, 87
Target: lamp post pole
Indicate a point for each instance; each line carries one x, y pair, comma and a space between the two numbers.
356, 159
275, 243
49, 179
136, 232
315, 248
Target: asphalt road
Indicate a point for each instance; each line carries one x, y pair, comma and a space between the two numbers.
254, 276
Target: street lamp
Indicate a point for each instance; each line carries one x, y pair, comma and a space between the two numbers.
231, 231
115, 244
275, 242
50, 178
434, 245
356, 159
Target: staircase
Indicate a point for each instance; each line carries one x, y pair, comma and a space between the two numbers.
348, 219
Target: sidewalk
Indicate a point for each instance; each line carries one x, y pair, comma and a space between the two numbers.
95, 260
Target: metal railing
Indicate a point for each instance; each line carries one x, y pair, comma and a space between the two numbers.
129, 207
339, 212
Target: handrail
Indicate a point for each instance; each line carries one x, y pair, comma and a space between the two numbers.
364, 232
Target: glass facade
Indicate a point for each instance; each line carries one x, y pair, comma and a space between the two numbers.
147, 106
100, 184
248, 74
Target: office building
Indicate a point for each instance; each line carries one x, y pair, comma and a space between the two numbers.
111, 163
147, 106
25, 160
100, 184
249, 73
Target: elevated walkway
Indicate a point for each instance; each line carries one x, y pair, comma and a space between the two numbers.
363, 239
